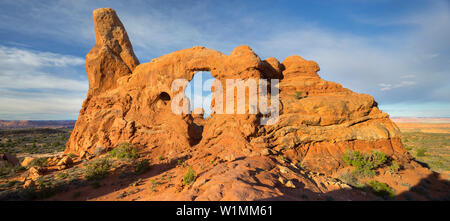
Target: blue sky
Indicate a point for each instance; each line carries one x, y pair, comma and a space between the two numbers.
397, 51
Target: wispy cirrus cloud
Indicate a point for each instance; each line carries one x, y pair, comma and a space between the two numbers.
11, 58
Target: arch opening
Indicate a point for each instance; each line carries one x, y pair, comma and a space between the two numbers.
199, 93
164, 96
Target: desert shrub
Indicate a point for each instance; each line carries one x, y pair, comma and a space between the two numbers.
40, 162
6, 170
378, 158
20, 168
381, 189
62, 175
141, 166
421, 152
136, 183
95, 184
351, 179
99, 151
365, 164
394, 167
97, 169
298, 95
12, 183
189, 177
125, 151
282, 158
154, 185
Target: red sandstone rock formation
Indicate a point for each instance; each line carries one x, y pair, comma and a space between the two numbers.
131, 102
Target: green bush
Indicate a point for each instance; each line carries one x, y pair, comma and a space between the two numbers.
141, 166
421, 152
62, 175
125, 151
6, 170
365, 164
381, 189
189, 177
97, 169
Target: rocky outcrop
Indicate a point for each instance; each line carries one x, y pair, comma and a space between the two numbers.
131, 102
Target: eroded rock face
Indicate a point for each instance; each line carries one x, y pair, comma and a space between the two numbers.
131, 102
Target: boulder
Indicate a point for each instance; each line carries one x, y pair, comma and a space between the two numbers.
27, 161
28, 184
64, 163
319, 120
83, 154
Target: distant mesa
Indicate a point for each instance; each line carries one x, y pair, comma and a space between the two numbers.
421, 119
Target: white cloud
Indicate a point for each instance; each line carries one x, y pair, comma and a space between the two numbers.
42, 106
425, 109
35, 84
25, 69
413, 59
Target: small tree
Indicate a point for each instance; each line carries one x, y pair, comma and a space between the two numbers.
97, 169
298, 95
381, 189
